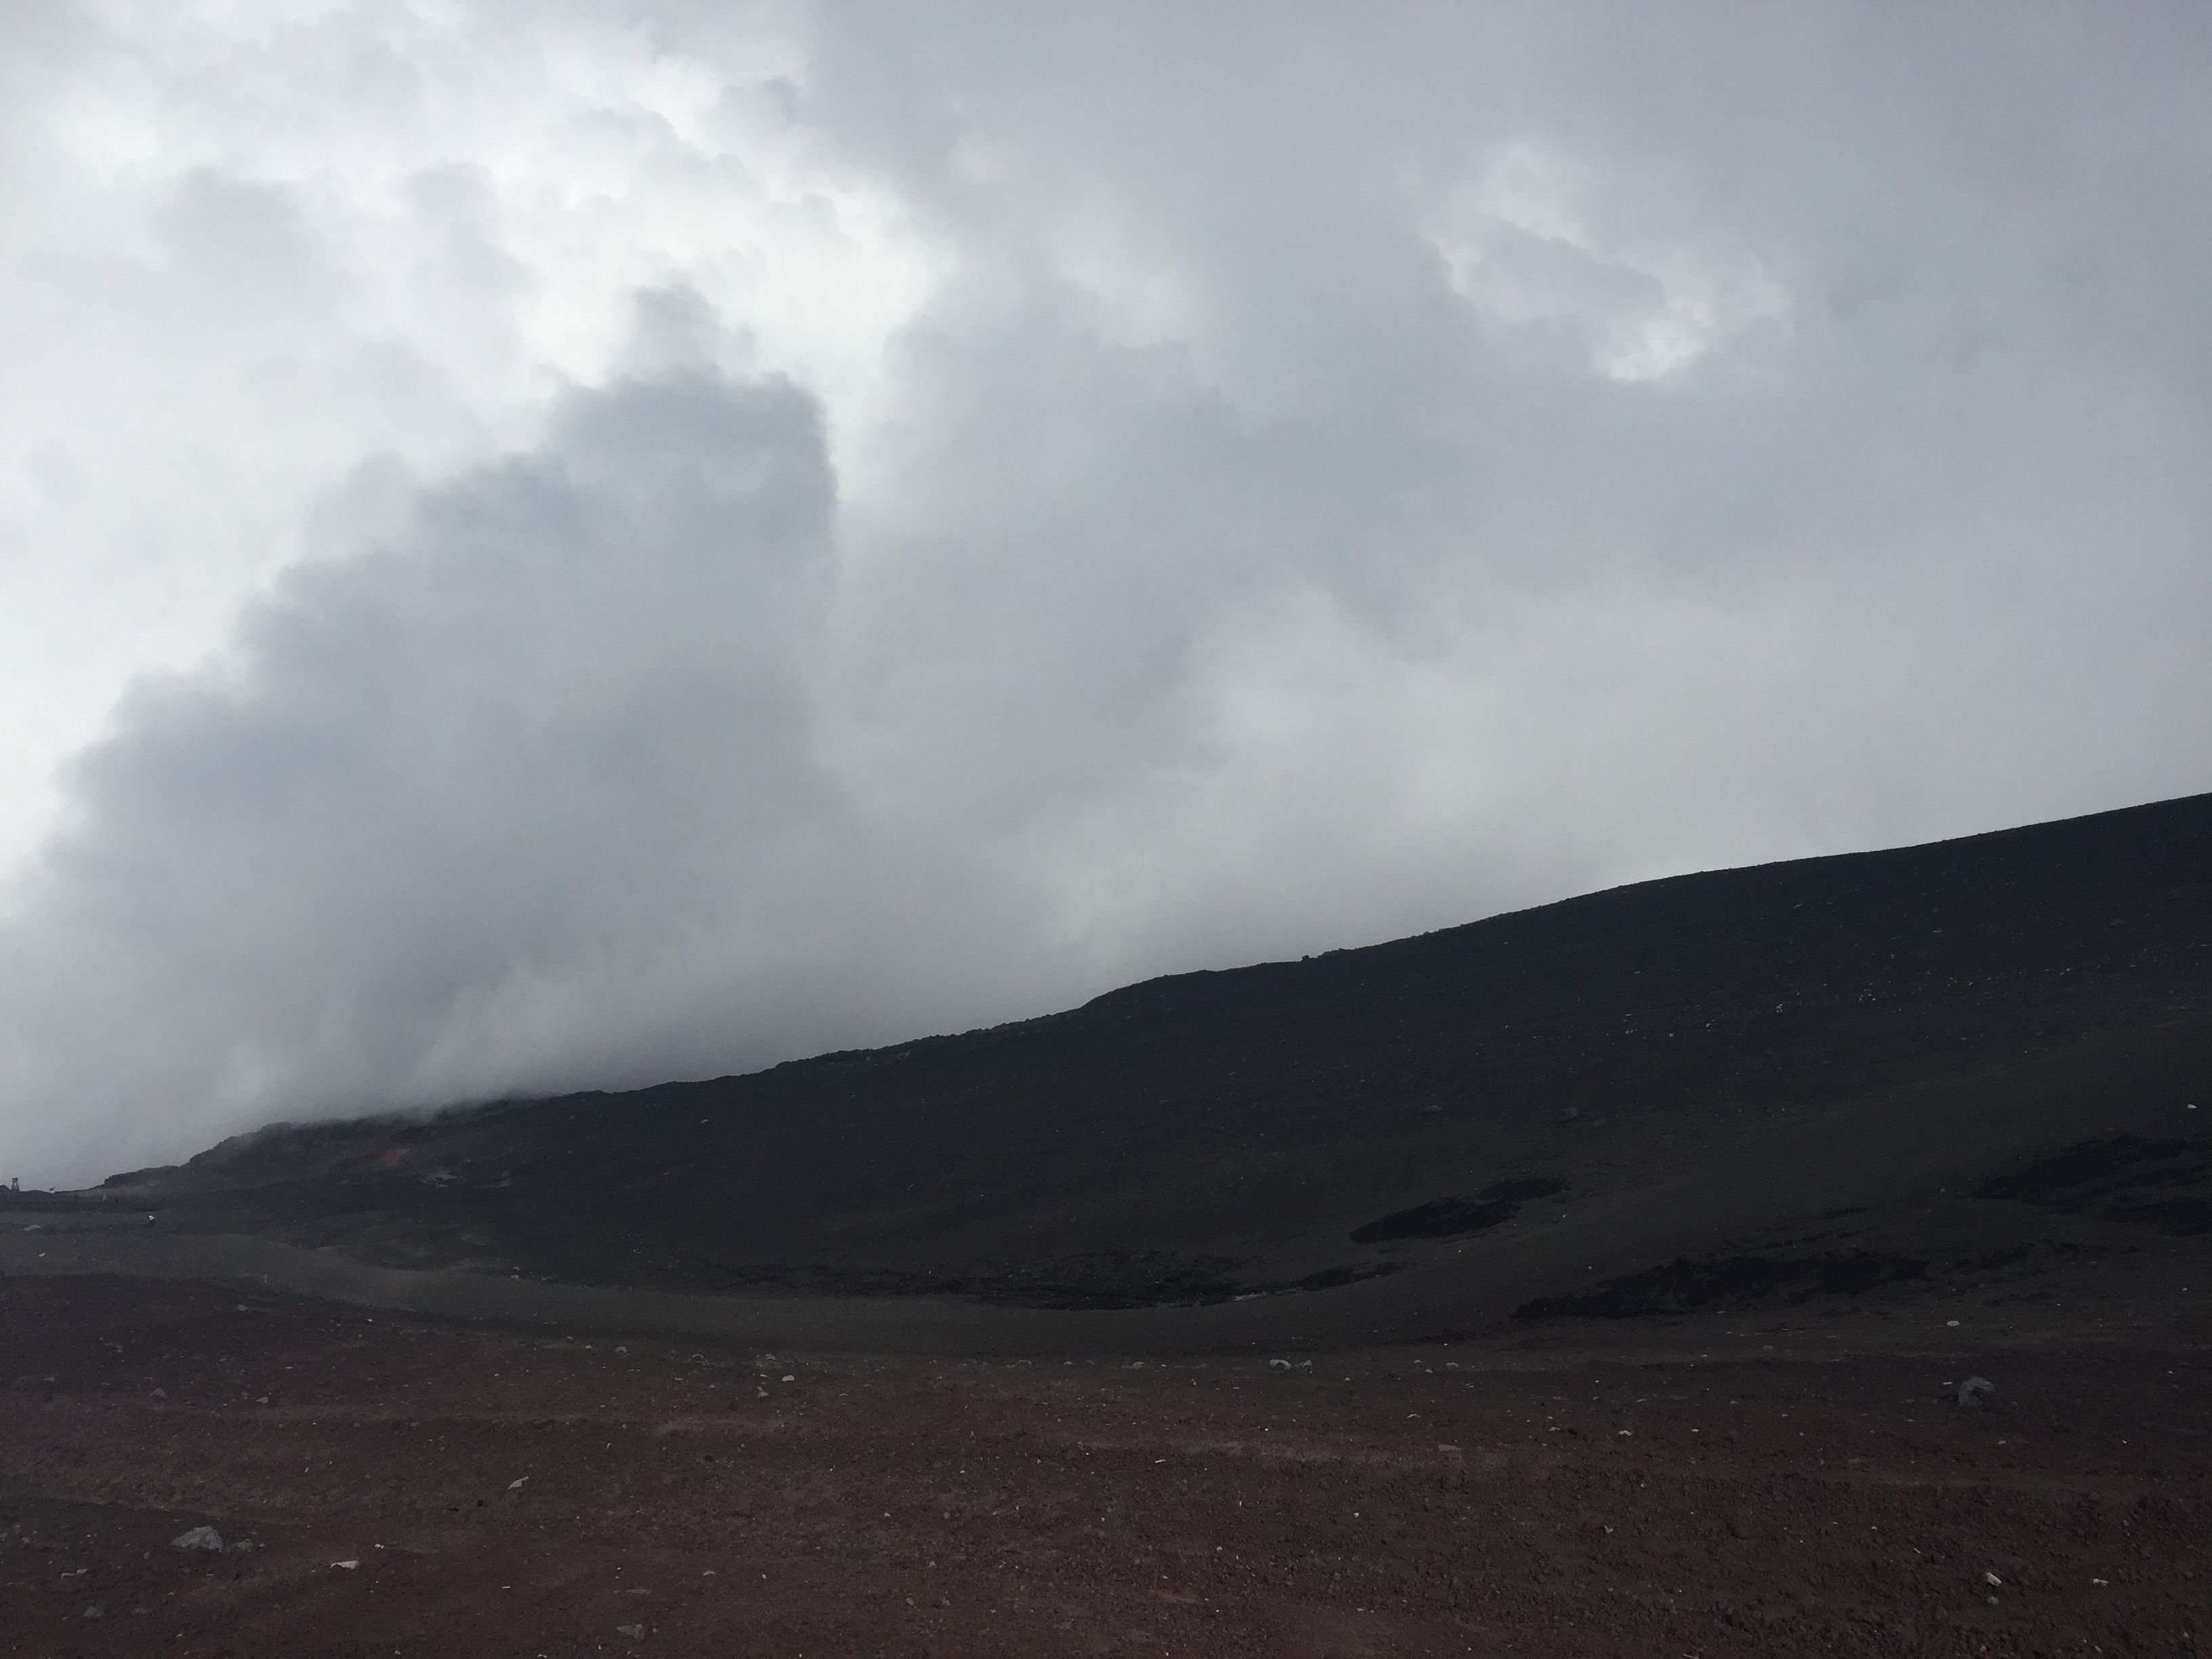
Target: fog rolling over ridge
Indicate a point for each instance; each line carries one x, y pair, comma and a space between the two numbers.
561, 551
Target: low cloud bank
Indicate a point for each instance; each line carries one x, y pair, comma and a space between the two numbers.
735, 536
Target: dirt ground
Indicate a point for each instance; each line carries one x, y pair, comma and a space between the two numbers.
411, 1488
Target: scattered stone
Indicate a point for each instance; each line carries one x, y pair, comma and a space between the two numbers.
516, 1485
1567, 1116
199, 1538
1970, 1392
161, 1394
1278, 1365
348, 1565
635, 1633
96, 1611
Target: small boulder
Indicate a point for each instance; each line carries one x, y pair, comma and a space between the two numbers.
635, 1633
199, 1538
1975, 1392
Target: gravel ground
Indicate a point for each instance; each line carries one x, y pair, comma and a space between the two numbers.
411, 1488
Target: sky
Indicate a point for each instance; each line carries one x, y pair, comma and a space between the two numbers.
569, 546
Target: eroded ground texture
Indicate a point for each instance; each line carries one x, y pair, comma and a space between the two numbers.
1712, 1488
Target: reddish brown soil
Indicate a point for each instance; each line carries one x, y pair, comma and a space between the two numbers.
505, 1495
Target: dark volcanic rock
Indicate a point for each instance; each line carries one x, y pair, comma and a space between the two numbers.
1684, 1286
2165, 1184
1450, 1217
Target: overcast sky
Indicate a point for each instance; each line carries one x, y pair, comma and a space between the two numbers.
570, 545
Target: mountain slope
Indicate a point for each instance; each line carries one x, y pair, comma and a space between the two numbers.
1421, 1136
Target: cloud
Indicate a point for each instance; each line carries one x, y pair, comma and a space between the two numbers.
247, 247
1531, 243
465, 793
642, 542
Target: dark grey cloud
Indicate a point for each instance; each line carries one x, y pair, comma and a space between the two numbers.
1130, 488
523, 791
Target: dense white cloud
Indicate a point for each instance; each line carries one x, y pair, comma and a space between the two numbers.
575, 546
